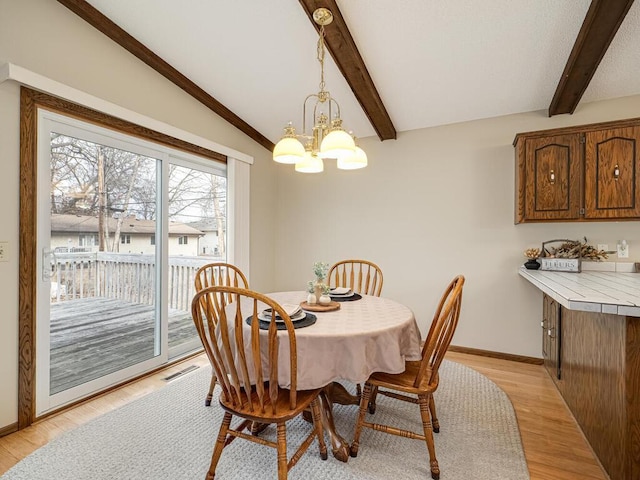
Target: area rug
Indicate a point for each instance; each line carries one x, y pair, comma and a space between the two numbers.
169, 435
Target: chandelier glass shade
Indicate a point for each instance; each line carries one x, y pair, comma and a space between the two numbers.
324, 141
310, 163
353, 162
288, 149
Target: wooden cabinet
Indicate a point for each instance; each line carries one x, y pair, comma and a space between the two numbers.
600, 384
612, 173
590, 172
551, 336
594, 360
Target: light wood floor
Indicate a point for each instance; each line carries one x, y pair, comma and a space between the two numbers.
553, 444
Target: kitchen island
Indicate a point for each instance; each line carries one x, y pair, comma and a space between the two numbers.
591, 348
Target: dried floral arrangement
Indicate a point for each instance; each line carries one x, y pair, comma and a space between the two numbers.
576, 249
532, 253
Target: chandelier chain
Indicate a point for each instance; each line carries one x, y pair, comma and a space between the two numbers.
320, 55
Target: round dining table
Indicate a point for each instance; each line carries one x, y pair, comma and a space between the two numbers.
366, 335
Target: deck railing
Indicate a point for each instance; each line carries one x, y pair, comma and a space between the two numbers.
124, 276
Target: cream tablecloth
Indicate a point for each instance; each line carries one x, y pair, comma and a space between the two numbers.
369, 335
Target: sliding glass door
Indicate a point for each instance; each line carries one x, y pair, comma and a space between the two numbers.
197, 200
121, 233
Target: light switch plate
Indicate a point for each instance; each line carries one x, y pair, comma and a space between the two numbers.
623, 250
4, 251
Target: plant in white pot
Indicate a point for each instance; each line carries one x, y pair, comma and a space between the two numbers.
325, 299
320, 270
311, 297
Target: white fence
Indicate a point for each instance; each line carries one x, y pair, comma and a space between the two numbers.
124, 276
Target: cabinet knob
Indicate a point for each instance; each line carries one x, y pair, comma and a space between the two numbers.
616, 172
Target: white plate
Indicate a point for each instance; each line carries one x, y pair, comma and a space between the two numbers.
340, 291
294, 318
345, 295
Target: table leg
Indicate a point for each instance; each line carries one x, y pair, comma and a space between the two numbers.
339, 445
338, 394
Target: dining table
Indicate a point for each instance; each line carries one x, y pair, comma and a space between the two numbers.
363, 335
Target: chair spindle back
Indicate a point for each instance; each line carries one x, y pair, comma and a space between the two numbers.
219, 273
441, 332
244, 357
361, 276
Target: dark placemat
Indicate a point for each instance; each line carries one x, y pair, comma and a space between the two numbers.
308, 320
352, 298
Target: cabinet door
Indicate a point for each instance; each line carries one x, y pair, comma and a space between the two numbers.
612, 164
551, 336
553, 171
546, 347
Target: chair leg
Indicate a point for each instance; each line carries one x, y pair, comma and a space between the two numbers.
358, 389
434, 417
282, 451
217, 450
372, 400
317, 424
423, 400
212, 385
364, 401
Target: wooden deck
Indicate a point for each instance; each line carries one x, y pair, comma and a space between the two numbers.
92, 337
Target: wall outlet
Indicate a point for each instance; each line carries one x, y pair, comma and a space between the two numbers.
603, 247
4, 251
623, 249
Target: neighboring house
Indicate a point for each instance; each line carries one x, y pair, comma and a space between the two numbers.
73, 233
209, 244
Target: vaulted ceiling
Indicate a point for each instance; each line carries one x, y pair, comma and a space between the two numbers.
400, 64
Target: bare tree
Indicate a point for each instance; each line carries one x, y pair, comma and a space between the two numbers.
113, 184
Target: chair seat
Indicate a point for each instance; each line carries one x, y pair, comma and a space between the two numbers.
283, 410
404, 381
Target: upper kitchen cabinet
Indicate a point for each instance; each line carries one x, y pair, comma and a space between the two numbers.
612, 183
581, 173
552, 169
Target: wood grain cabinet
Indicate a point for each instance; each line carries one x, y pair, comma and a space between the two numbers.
551, 336
594, 360
582, 173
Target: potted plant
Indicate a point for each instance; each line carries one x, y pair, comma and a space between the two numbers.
320, 270
325, 299
532, 254
311, 297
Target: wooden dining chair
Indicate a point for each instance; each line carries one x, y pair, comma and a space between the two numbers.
246, 360
218, 273
361, 276
420, 378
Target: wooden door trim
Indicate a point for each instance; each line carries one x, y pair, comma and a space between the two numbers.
27, 262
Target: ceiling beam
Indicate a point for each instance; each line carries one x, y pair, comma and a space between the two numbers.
99, 21
343, 49
598, 29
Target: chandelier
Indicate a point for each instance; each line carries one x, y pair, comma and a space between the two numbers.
324, 141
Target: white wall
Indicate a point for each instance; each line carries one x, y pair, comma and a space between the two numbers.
434, 203
46, 38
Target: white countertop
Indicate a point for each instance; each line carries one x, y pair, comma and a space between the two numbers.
601, 292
